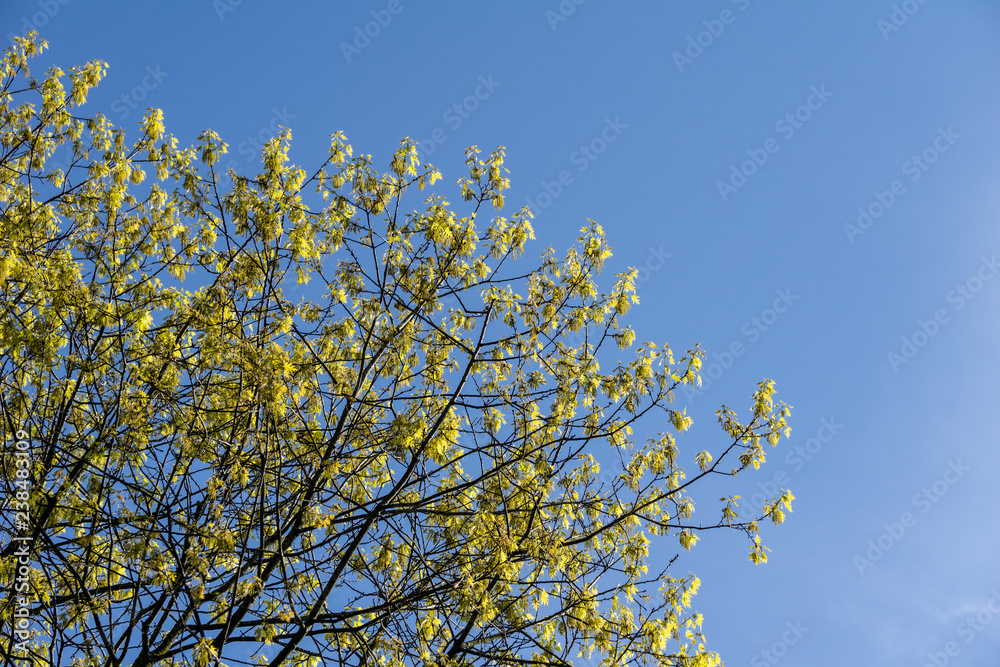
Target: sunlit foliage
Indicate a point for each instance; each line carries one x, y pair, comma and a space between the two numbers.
291, 409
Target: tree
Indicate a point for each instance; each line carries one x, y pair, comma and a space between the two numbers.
398, 466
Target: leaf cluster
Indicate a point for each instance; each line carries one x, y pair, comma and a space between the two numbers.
287, 409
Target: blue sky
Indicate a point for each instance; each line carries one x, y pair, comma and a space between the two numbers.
812, 184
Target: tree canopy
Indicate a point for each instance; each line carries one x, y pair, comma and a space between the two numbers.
290, 408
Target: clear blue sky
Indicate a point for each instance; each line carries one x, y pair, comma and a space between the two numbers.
727, 146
